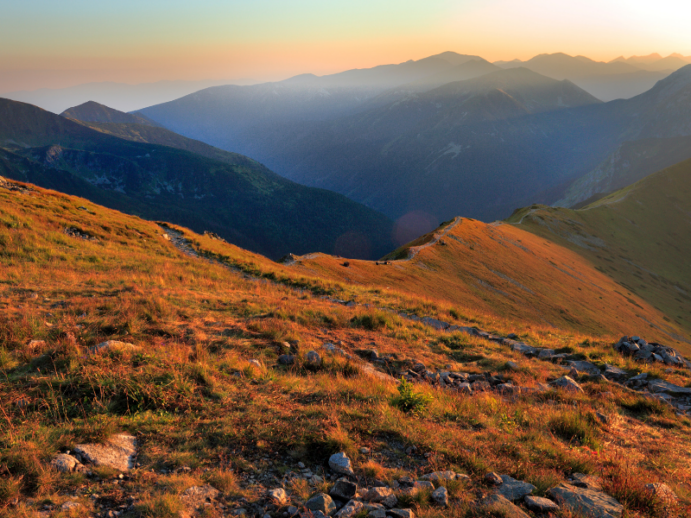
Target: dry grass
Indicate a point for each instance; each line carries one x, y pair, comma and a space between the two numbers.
204, 414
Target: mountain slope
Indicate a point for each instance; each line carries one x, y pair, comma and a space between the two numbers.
638, 235
468, 147
238, 199
111, 335
94, 112
631, 162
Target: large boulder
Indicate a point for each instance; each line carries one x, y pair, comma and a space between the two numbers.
587, 502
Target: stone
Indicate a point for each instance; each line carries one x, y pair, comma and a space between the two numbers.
66, 463
292, 510
493, 479
513, 366
112, 345
513, 489
440, 496
658, 385
541, 505
118, 452
70, 506
35, 345
401, 513
343, 489
464, 388
440, 475
313, 358
256, 363
587, 502
586, 481
614, 372
498, 505
567, 383
196, 496
321, 502
481, 386
350, 509
364, 450
286, 359
546, 353
340, 463
381, 495
278, 496
663, 492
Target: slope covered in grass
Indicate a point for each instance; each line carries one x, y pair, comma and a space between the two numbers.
639, 236
203, 394
502, 270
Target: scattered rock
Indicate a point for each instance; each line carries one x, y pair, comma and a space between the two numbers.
340, 463
343, 489
512, 366
493, 479
440, 475
256, 363
350, 509
440, 496
112, 345
66, 463
117, 452
541, 505
278, 496
502, 507
663, 492
586, 481
513, 489
321, 502
286, 359
425, 485
71, 505
196, 496
567, 383
587, 502
313, 358
381, 495
401, 513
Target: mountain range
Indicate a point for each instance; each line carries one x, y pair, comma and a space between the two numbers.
492, 138
149, 171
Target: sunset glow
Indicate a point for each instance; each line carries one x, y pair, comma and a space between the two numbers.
49, 44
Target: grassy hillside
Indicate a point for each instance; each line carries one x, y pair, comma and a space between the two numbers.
228, 194
203, 394
639, 236
509, 273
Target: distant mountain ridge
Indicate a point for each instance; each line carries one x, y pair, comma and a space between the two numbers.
94, 112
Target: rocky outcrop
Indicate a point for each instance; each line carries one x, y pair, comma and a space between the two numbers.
641, 350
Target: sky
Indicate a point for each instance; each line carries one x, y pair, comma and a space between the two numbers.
50, 44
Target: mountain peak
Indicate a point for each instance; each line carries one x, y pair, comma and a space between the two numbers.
92, 111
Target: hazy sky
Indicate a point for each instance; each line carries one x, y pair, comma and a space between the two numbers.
49, 43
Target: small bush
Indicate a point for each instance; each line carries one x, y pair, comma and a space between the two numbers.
409, 400
575, 426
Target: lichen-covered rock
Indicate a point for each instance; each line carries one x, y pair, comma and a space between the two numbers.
278, 496
343, 489
663, 492
440, 496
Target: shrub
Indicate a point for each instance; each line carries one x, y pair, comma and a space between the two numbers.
409, 400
